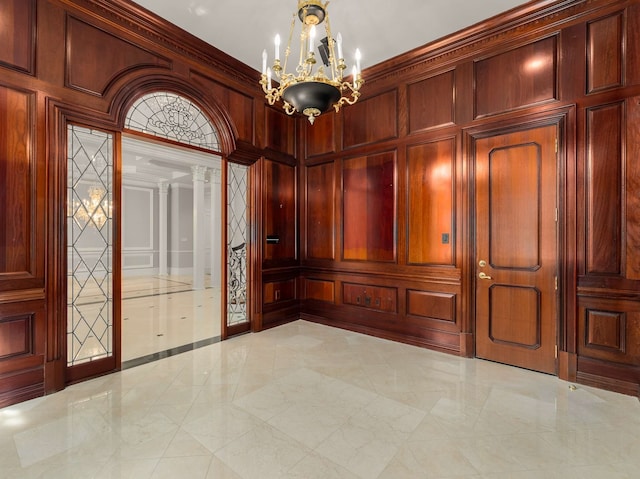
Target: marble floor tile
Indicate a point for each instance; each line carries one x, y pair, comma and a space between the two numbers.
307, 401
163, 312
264, 452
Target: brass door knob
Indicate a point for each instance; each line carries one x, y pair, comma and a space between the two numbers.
483, 276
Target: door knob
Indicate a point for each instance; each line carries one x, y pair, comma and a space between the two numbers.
483, 276
482, 263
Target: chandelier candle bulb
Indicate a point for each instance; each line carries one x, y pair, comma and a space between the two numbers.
358, 58
264, 61
339, 43
269, 78
312, 37
354, 73
277, 46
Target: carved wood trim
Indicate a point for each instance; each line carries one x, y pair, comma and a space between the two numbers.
29, 67
72, 50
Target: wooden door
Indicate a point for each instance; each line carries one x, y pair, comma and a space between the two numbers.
516, 313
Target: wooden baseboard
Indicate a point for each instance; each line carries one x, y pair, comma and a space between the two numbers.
423, 342
610, 384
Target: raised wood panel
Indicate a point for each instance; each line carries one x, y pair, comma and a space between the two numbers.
369, 207
522, 77
432, 305
431, 102
278, 291
321, 137
605, 53
604, 189
279, 131
514, 316
279, 211
239, 106
320, 290
378, 298
572, 76
515, 203
16, 336
632, 186
18, 35
22, 346
320, 211
430, 180
604, 330
16, 184
632, 52
95, 58
609, 330
464, 93
371, 120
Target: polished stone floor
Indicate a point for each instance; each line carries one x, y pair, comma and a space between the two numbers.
309, 401
163, 312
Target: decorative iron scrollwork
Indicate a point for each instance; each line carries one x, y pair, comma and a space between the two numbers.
237, 281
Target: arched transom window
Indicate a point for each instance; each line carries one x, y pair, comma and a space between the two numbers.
173, 117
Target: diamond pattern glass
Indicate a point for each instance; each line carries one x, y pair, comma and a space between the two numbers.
89, 245
173, 117
237, 193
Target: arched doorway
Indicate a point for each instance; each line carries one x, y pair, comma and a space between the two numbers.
95, 225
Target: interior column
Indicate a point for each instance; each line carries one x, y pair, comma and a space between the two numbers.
216, 226
198, 173
163, 189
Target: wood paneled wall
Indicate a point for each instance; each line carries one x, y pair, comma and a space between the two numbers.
86, 61
575, 64
372, 207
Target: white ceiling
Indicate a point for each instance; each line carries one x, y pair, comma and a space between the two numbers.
382, 29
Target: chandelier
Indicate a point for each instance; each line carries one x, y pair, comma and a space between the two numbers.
309, 90
95, 210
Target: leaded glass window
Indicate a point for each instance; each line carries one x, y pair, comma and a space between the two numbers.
89, 245
173, 117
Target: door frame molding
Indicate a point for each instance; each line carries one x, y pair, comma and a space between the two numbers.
566, 255
59, 114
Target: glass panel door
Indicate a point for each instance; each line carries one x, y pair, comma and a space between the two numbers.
237, 239
89, 245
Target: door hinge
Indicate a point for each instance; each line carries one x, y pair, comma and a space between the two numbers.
556, 352
556, 215
556, 283
556, 145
